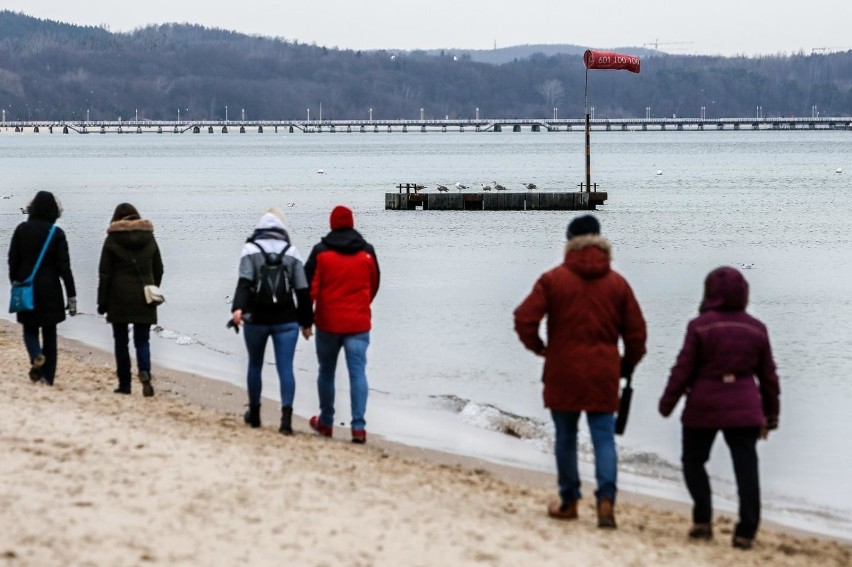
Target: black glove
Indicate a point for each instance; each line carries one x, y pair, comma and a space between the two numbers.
626, 369
102, 309
772, 423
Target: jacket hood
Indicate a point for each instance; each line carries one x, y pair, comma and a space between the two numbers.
132, 234
270, 226
725, 289
345, 240
588, 256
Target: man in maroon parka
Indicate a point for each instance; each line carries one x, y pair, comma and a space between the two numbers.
588, 307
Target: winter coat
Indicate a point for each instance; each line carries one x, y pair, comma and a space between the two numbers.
343, 272
271, 236
130, 259
27, 242
588, 307
725, 367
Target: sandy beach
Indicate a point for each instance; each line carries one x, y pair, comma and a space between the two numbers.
88, 477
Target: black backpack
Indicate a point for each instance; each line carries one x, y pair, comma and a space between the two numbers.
273, 286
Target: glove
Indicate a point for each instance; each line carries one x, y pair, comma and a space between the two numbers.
102, 309
626, 369
72, 306
772, 423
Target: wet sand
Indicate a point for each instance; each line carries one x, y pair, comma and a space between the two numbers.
88, 477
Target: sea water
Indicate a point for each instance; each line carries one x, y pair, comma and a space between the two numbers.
446, 370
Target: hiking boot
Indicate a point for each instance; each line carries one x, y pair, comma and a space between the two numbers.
606, 513
147, 387
742, 542
286, 427
701, 531
35, 369
252, 416
121, 390
359, 436
562, 511
321, 429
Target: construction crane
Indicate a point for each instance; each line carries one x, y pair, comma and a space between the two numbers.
824, 49
657, 43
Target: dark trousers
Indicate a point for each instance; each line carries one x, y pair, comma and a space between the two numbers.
47, 347
742, 442
141, 337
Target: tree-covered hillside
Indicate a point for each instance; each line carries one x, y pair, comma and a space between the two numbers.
50, 70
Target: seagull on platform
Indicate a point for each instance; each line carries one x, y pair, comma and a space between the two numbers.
530, 186
459, 186
485, 187
443, 188
498, 186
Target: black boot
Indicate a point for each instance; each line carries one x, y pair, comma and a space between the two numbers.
252, 416
286, 421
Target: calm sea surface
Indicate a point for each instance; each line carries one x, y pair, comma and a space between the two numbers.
446, 370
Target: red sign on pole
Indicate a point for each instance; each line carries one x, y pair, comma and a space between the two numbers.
610, 60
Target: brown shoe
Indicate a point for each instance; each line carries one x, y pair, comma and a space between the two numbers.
701, 531
606, 513
561, 511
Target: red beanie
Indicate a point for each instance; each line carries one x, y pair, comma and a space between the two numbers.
341, 217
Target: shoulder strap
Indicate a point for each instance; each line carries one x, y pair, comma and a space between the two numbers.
41, 254
266, 254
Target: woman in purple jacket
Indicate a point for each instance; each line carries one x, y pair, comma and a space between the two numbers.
726, 371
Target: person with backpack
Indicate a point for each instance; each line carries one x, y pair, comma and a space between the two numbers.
272, 299
344, 275
727, 373
39, 237
130, 260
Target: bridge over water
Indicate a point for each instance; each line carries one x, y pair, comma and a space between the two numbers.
449, 125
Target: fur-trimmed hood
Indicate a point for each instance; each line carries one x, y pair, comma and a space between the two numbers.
588, 255
131, 234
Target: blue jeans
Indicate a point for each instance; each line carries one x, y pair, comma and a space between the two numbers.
141, 342
602, 429
284, 337
355, 348
47, 347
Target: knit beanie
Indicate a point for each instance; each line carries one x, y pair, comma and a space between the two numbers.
586, 224
341, 217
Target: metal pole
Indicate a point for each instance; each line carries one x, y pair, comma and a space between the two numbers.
588, 140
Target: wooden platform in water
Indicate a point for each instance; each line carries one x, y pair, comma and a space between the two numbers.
526, 201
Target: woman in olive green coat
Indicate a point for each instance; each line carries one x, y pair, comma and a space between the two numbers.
130, 259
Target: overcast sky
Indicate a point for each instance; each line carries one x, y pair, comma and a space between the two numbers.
721, 27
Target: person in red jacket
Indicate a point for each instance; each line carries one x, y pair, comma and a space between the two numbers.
727, 373
588, 307
343, 274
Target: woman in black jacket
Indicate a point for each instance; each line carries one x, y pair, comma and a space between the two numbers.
27, 242
130, 259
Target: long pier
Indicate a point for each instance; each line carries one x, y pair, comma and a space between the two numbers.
449, 125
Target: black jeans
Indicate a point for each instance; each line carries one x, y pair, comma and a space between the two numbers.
47, 347
742, 442
141, 338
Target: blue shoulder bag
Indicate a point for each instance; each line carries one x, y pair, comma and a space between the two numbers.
22, 297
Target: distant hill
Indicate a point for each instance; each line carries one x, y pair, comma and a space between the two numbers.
53, 70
